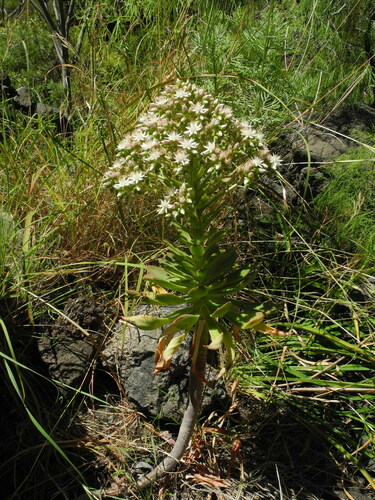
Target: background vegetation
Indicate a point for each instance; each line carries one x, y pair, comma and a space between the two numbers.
277, 63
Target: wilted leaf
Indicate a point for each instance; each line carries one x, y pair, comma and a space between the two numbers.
159, 360
166, 348
158, 290
210, 481
235, 331
174, 344
269, 330
231, 352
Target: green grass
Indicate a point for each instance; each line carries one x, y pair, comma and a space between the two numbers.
348, 200
62, 235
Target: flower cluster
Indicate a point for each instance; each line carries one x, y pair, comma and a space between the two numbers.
187, 144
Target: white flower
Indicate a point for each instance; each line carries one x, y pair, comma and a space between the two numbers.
154, 155
214, 122
193, 128
275, 161
125, 143
151, 119
164, 206
209, 148
181, 93
148, 119
185, 123
226, 111
174, 136
118, 163
148, 144
188, 144
198, 108
123, 182
139, 135
137, 176
247, 131
161, 100
257, 162
259, 136
181, 157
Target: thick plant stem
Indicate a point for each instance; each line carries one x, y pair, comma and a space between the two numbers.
196, 382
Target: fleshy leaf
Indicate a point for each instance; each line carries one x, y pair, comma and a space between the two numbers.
183, 322
197, 251
219, 265
198, 292
231, 352
171, 285
234, 281
217, 343
245, 320
222, 310
214, 328
145, 322
167, 299
155, 272
173, 345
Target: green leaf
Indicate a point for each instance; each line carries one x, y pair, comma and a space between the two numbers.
183, 322
217, 343
166, 299
172, 285
185, 236
145, 322
231, 353
219, 265
211, 249
155, 272
172, 347
198, 293
245, 320
178, 252
213, 326
222, 310
180, 271
235, 281
216, 332
197, 251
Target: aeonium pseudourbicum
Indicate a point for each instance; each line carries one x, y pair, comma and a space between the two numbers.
189, 149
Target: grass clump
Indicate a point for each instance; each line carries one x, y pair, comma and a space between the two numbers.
349, 201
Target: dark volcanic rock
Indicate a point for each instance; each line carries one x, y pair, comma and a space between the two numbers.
164, 395
304, 149
67, 351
